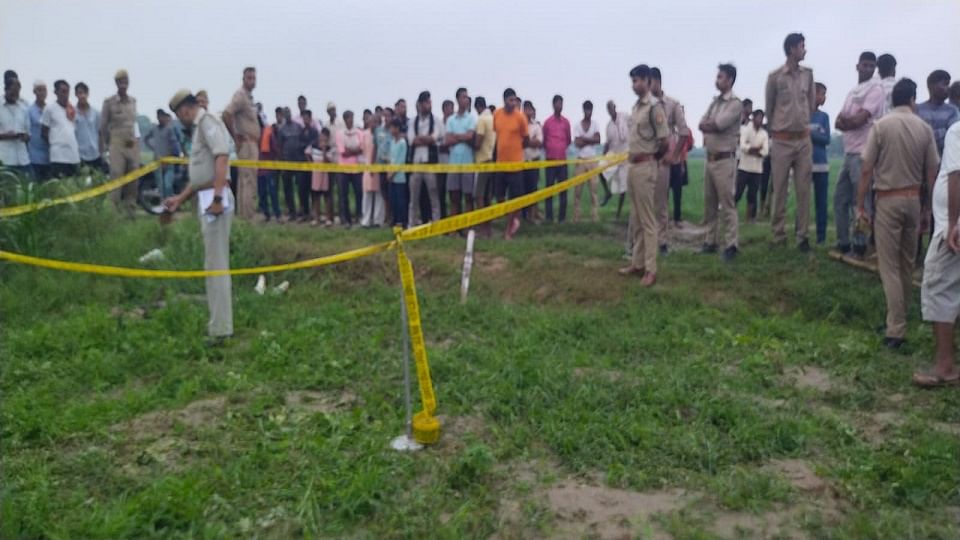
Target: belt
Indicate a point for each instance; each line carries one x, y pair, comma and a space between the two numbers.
789, 135
640, 158
717, 156
913, 191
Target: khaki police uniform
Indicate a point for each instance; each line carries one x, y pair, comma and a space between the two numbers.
211, 139
790, 100
902, 149
648, 128
246, 127
721, 169
676, 128
118, 119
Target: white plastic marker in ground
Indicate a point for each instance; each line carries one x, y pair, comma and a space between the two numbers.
154, 255
467, 266
261, 286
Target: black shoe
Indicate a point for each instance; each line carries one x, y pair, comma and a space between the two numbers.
664, 250
215, 342
606, 199
708, 249
804, 246
844, 249
729, 254
893, 342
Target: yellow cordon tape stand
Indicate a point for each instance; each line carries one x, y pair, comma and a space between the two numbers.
426, 427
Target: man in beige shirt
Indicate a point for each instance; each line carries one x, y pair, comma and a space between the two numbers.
118, 135
240, 118
791, 99
678, 132
721, 136
209, 170
900, 155
648, 143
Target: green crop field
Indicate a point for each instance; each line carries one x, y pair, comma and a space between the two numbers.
743, 400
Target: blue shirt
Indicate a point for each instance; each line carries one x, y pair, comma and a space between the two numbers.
820, 135
398, 156
940, 118
38, 148
88, 136
381, 135
458, 124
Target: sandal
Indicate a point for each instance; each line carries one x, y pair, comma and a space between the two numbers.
928, 379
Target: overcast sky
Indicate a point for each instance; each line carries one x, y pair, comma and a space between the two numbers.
368, 52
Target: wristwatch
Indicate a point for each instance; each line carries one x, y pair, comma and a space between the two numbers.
217, 199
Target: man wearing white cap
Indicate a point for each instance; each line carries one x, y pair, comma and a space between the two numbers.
336, 122
209, 169
38, 147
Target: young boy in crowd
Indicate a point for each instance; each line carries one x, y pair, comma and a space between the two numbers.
324, 152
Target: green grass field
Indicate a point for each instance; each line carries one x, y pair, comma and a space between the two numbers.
749, 400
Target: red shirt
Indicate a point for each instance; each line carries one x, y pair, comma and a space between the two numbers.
556, 137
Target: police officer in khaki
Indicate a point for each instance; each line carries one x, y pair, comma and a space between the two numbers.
119, 136
721, 136
900, 155
240, 117
678, 134
791, 99
647, 144
208, 170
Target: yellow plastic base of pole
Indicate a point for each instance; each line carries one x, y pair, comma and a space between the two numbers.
426, 428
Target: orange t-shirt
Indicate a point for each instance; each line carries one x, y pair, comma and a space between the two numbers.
511, 128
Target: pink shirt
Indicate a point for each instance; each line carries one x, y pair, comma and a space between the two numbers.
866, 95
556, 137
349, 138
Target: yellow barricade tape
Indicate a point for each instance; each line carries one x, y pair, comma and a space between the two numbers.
427, 397
463, 221
120, 271
83, 195
429, 230
409, 167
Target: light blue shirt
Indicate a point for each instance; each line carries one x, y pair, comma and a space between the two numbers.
398, 156
88, 137
38, 148
458, 124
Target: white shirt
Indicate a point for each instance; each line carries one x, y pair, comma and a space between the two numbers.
421, 154
618, 133
887, 83
444, 152
948, 164
534, 131
589, 150
752, 138
14, 119
62, 135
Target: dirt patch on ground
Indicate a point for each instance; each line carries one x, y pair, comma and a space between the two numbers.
687, 237
799, 474
781, 524
809, 377
156, 424
604, 512
166, 439
457, 431
491, 264
313, 401
768, 402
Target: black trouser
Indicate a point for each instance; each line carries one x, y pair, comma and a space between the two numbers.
442, 193
678, 179
748, 182
58, 170
764, 180
354, 180
303, 191
287, 178
556, 175
531, 178
426, 209
41, 172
